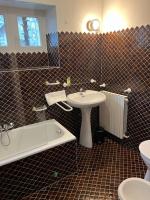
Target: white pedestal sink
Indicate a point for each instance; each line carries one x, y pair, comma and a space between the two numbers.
86, 101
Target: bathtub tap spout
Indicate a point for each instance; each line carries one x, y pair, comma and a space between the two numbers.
4, 135
7, 127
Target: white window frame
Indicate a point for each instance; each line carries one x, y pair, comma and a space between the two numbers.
39, 23
12, 33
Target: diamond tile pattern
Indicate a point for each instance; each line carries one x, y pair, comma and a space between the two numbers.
31, 60
80, 54
53, 49
124, 59
28, 175
23, 60
121, 60
13, 61
5, 61
21, 90
126, 63
100, 171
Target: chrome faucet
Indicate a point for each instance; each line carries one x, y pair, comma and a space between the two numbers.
4, 135
6, 127
82, 92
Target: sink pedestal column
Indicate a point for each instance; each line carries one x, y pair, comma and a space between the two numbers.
85, 132
147, 175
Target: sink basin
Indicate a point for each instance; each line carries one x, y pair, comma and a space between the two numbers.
86, 101
89, 98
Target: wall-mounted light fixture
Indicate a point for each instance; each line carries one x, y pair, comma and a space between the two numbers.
93, 25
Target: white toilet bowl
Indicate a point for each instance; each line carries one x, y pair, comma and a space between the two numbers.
134, 189
144, 148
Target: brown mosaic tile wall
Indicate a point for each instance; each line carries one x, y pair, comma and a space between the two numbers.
28, 175
15, 61
12, 61
53, 49
124, 60
21, 90
120, 59
126, 63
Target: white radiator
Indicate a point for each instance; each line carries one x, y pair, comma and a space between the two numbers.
113, 114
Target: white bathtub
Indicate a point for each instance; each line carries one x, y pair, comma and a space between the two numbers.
32, 139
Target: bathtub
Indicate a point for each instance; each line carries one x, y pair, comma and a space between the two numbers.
32, 139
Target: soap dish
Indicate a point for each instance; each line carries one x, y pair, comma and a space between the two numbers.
39, 109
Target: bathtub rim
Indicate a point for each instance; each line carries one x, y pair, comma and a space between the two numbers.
66, 137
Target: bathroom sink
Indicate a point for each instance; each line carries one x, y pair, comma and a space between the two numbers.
89, 98
86, 101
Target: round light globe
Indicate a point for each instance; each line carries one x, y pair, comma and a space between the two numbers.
93, 25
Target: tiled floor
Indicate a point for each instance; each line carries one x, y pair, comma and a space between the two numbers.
101, 169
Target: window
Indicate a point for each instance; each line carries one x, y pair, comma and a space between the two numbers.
29, 31
3, 37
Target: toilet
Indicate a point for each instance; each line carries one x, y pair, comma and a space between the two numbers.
134, 189
144, 148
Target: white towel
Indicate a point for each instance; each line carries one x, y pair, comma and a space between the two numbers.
55, 97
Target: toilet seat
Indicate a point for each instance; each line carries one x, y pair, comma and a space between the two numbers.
144, 148
134, 189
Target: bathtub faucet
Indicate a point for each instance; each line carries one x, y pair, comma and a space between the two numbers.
4, 134
6, 127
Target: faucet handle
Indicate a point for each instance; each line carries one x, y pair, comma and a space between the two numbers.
8, 126
11, 125
81, 89
1, 127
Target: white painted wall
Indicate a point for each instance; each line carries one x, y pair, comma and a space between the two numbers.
72, 15
121, 14
51, 19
